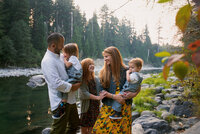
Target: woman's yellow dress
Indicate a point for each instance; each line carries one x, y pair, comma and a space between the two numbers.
105, 125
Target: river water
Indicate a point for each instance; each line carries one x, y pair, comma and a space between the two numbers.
24, 110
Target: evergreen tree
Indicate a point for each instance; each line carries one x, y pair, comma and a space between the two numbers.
63, 14
19, 32
41, 12
8, 52
20, 35
94, 44
78, 28
105, 18
1, 19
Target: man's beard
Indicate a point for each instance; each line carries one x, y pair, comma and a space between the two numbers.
57, 51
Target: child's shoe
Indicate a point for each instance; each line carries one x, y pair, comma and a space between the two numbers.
60, 111
116, 115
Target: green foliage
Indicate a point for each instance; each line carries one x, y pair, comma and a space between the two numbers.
162, 54
157, 113
144, 98
164, 1
20, 35
183, 17
157, 80
8, 52
181, 69
28, 23
170, 118
191, 89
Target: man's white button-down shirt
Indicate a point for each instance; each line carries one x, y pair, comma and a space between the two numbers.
53, 69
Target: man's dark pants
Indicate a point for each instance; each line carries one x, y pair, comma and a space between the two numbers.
68, 123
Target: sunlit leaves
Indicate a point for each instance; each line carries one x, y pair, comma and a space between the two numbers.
164, 59
194, 45
171, 59
183, 17
180, 69
162, 54
166, 71
198, 14
164, 1
174, 58
196, 58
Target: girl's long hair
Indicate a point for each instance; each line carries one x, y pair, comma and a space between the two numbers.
114, 68
87, 75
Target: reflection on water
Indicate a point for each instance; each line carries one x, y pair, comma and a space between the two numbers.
22, 110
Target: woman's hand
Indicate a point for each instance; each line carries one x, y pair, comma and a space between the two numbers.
101, 95
130, 95
119, 98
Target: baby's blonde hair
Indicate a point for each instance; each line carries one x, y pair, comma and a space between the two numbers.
136, 61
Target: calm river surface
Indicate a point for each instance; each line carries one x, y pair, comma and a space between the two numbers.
24, 110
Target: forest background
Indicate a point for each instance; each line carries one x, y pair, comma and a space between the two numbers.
25, 25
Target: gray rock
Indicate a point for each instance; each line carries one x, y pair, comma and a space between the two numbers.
173, 94
149, 113
165, 114
159, 89
180, 89
195, 129
158, 100
36, 80
151, 131
161, 95
46, 131
163, 107
137, 129
168, 90
183, 110
135, 115
150, 122
191, 121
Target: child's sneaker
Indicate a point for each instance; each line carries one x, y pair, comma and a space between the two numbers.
116, 115
60, 111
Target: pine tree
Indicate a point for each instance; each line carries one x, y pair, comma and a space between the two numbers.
19, 32
63, 14
8, 52
41, 12
1, 19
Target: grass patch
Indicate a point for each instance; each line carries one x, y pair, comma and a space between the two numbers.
157, 113
156, 80
144, 101
170, 118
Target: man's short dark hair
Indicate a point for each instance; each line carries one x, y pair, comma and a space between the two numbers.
54, 38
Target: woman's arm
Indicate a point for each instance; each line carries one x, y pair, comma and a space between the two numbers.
100, 97
130, 95
117, 97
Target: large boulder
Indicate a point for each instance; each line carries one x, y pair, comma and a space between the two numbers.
36, 80
153, 123
183, 109
195, 129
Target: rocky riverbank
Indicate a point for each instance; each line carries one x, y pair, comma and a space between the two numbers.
177, 115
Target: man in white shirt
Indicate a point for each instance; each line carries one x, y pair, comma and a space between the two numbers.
55, 75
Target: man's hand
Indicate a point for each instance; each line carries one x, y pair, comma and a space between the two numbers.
75, 86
